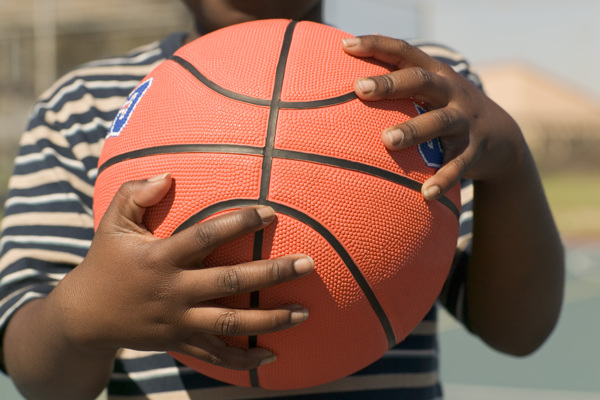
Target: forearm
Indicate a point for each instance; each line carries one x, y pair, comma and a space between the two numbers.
516, 274
44, 364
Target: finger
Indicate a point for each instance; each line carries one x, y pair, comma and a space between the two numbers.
134, 197
414, 82
392, 51
213, 283
446, 177
194, 243
438, 123
233, 322
213, 350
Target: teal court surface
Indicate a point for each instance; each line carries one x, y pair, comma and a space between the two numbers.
567, 367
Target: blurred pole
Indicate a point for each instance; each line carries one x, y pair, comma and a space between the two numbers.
44, 44
15, 67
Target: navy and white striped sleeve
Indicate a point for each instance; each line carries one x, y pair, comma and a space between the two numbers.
48, 224
453, 294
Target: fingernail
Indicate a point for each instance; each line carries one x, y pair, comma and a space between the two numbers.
298, 315
268, 360
366, 85
304, 265
432, 192
351, 42
267, 214
158, 178
395, 136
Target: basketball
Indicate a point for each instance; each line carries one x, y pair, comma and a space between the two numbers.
264, 113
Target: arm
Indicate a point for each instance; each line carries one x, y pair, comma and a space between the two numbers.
515, 277
136, 291
516, 273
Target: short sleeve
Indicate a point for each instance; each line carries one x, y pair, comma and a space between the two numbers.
47, 226
48, 223
453, 293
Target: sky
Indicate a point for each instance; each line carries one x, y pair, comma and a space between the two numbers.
560, 37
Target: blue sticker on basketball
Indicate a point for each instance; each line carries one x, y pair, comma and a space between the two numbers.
431, 151
126, 110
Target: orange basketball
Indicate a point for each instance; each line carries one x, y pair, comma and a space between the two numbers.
265, 113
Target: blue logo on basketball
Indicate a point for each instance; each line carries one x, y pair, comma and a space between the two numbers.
127, 109
431, 151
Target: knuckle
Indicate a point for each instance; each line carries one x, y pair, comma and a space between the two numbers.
443, 68
460, 164
228, 323
150, 259
152, 267
127, 188
244, 218
161, 294
403, 46
402, 49
231, 363
278, 270
275, 322
444, 118
125, 193
423, 77
205, 348
230, 280
411, 132
216, 359
205, 235
370, 41
386, 84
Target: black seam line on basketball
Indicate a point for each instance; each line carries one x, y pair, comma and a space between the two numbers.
207, 212
253, 377
182, 148
274, 111
286, 154
219, 89
365, 168
267, 161
295, 105
321, 230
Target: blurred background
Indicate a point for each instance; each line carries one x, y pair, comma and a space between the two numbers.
540, 60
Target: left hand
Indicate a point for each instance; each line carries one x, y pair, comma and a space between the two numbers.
480, 140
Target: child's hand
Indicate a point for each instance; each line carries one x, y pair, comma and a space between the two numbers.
480, 140
513, 298
136, 291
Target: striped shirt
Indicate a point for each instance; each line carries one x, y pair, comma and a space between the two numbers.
48, 228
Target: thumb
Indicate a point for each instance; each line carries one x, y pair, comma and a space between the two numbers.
134, 197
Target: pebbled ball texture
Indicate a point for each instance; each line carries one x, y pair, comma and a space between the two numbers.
264, 113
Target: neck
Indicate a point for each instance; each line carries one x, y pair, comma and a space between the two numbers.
315, 15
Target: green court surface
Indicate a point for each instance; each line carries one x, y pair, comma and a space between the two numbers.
567, 367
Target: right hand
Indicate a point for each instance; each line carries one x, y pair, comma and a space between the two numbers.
136, 291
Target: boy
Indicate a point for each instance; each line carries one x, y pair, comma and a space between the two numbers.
64, 327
